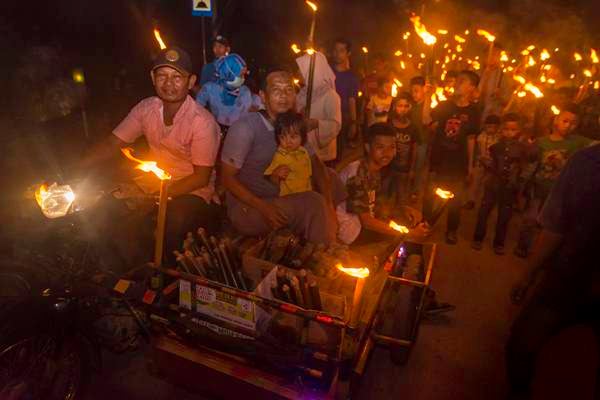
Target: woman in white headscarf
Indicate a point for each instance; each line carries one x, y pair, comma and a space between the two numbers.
325, 119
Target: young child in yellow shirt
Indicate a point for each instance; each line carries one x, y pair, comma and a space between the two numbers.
290, 168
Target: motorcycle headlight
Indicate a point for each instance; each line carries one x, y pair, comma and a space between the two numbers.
55, 200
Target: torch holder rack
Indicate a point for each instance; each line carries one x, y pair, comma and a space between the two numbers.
296, 351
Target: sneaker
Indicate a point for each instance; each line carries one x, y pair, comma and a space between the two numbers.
451, 237
434, 307
520, 252
477, 245
469, 205
499, 250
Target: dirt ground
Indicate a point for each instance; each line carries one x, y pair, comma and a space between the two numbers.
460, 357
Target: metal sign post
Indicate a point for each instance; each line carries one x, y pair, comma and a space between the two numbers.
203, 8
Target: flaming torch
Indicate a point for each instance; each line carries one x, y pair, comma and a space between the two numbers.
360, 274
490, 38
311, 70
158, 38
151, 166
445, 196
427, 38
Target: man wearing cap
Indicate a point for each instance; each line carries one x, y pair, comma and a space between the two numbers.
220, 49
183, 138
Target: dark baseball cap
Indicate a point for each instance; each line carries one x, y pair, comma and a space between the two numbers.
174, 57
221, 39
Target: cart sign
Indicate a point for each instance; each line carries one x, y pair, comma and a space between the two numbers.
202, 8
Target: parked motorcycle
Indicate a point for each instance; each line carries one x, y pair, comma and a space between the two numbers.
58, 306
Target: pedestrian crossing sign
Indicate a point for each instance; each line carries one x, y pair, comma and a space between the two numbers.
202, 8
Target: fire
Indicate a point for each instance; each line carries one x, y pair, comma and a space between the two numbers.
406, 35
399, 228
577, 56
434, 102
555, 110
544, 55
488, 36
459, 48
146, 166
360, 93
520, 79
587, 73
423, 55
312, 5
459, 39
402, 65
159, 39
442, 31
439, 92
295, 48
360, 273
521, 93
594, 56
394, 92
551, 81
597, 85
421, 30
547, 67
503, 56
531, 88
531, 61
444, 194
476, 65
365, 50
398, 53
310, 51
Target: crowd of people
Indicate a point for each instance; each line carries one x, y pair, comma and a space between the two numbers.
337, 162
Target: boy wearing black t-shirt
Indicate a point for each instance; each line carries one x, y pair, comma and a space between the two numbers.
455, 124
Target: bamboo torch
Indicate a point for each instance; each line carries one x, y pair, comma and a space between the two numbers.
150, 166
311, 52
360, 274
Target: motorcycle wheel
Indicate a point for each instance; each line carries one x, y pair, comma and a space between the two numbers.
39, 367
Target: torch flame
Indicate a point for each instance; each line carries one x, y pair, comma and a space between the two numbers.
577, 56
421, 30
398, 53
594, 56
310, 51
555, 110
503, 56
488, 36
522, 93
159, 39
295, 48
459, 39
434, 102
439, 92
312, 5
544, 55
402, 65
399, 228
365, 50
360, 273
531, 88
146, 166
394, 91
587, 73
520, 79
442, 31
597, 85
444, 194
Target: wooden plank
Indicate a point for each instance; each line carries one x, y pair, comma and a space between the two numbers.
206, 371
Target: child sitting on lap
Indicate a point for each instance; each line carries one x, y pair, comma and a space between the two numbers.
290, 169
